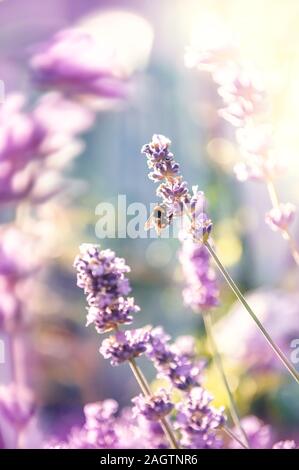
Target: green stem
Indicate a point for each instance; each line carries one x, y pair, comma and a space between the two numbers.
141, 380
241, 298
218, 361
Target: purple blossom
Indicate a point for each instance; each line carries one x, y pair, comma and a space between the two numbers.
16, 405
105, 429
259, 434
198, 421
280, 217
99, 424
75, 63
33, 141
158, 150
164, 169
102, 276
202, 291
182, 372
125, 345
19, 257
248, 346
243, 94
285, 445
153, 407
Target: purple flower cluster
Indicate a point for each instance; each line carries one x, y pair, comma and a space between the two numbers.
245, 104
102, 276
16, 405
170, 363
285, 445
125, 345
259, 434
19, 260
153, 407
202, 291
35, 145
280, 217
105, 428
174, 192
198, 421
74, 63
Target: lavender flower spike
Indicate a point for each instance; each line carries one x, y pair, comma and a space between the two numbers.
201, 292
154, 407
198, 421
102, 276
125, 346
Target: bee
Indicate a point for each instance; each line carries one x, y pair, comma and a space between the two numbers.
159, 219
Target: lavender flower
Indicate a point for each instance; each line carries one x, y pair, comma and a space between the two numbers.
105, 429
202, 290
32, 142
243, 94
19, 257
198, 421
73, 62
259, 434
124, 346
248, 346
99, 424
177, 367
285, 445
16, 405
173, 191
280, 217
102, 276
153, 407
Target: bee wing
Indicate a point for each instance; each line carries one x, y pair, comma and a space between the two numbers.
150, 223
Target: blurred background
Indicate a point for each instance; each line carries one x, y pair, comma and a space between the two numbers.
66, 370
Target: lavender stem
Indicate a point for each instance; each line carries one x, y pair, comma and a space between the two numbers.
232, 435
241, 298
141, 380
218, 361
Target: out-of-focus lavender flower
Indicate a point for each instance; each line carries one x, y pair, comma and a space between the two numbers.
74, 63
247, 345
19, 257
99, 424
125, 345
153, 407
285, 445
214, 50
243, 94
280, 217
16, 405
259, 434
105, 429
102, 276
202, 291
177, 367
32, 142
198, 421
185, 345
